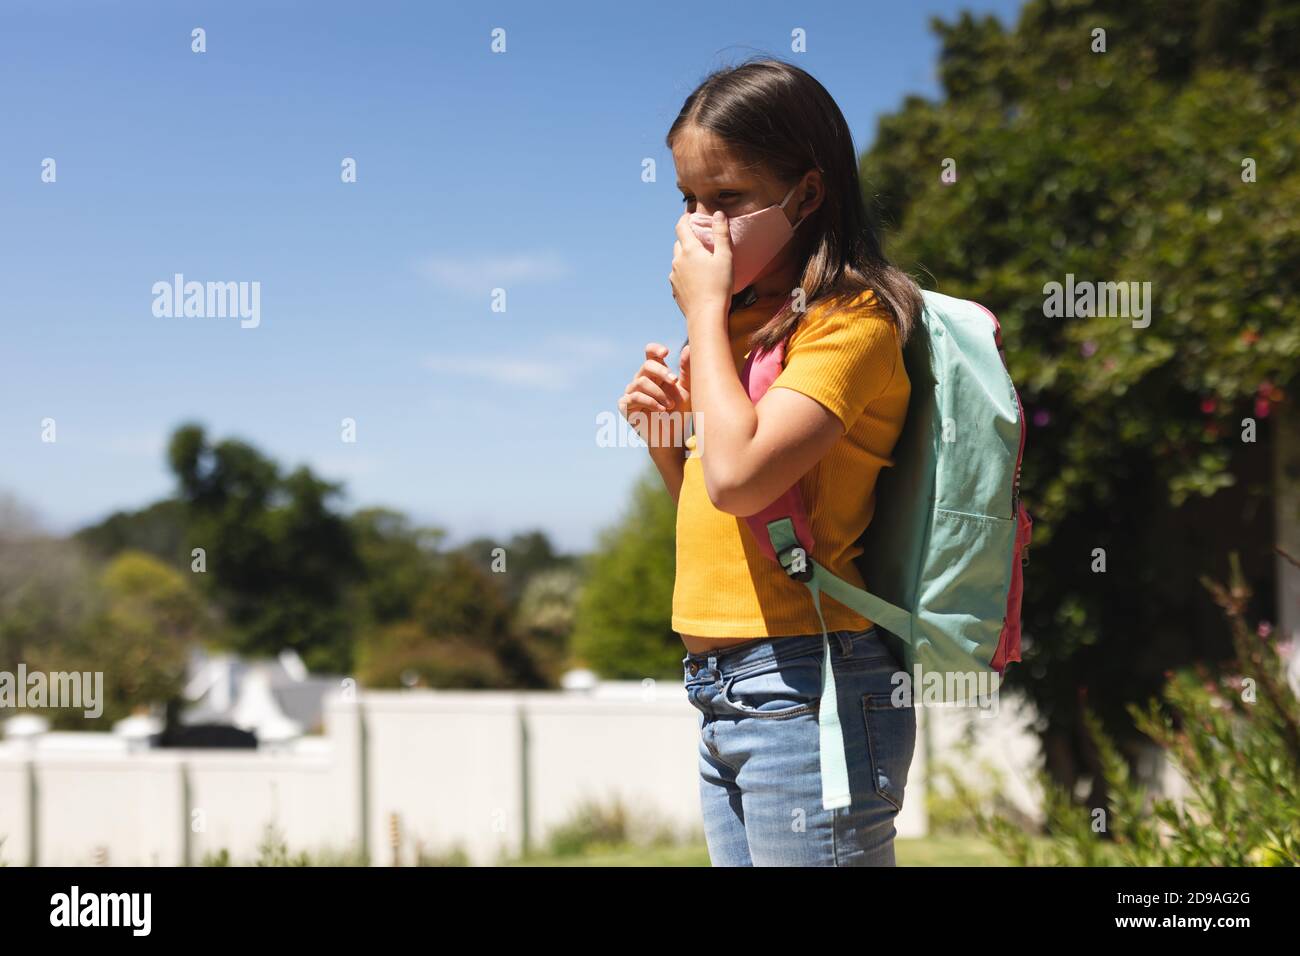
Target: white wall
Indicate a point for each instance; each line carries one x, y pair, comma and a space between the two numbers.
991, 750
448, 764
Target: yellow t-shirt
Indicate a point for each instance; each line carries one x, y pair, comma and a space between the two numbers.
846, 357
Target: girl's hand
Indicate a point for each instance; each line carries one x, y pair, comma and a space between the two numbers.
655, 389
701, 280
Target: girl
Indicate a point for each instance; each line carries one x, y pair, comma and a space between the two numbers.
775, 246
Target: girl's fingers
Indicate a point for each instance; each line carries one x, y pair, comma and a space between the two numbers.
646, 385
656, 388
641, 400
636, 402
658, 371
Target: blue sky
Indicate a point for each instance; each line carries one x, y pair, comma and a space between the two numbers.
474, 170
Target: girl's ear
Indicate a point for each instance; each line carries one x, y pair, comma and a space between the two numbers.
811, 193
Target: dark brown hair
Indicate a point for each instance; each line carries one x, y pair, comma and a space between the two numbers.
777, 116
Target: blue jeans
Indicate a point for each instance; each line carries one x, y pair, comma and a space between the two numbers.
760, 772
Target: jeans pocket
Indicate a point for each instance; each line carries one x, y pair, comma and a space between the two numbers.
775, 691
869, 652
891, 739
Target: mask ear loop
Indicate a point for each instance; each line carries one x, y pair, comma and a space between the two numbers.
786, 200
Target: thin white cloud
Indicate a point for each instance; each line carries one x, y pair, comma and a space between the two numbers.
568, 357
510, 372
582, 348
347, 466
475, 275
139, 444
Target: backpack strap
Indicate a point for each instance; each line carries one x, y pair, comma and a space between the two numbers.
784, 534
799, 564
760, 371
817, 578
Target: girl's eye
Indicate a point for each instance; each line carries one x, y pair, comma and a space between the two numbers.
724, 197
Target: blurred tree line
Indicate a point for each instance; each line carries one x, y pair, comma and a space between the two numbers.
255, 559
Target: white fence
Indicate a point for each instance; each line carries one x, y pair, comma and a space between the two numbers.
488, 771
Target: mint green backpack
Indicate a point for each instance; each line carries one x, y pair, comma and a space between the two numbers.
943, 554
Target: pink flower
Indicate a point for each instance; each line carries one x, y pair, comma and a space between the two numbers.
1042, 417
1261, 408
1264, 629
1208, 405
1088, 349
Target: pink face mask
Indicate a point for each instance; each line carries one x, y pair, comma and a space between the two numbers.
756, 238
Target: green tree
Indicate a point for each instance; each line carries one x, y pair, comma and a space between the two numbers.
436, 618
546, 615
513, 562
279, 557
1133, 164
158, 529
47, 590
140, 620
150, 619
549, 603
398, 558
622, 627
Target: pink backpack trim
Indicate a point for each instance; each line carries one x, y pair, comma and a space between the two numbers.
760, 371
1008, 649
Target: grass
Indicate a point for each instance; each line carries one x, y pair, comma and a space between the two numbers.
949, 851
612, 834
926, 851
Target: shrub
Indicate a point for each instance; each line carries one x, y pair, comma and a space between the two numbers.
1232, 736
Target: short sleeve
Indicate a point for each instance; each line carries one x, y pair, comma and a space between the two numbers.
842, 356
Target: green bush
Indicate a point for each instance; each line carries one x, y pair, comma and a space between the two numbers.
273, 850
1234, 738
951, 804
596, 827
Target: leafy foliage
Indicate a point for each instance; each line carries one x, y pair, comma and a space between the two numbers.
279, 557
134, 622
48, 592
1234, 739
1124, 165
158, 529
623, 620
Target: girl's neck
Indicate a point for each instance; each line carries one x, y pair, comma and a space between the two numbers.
753, 310
777, 285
